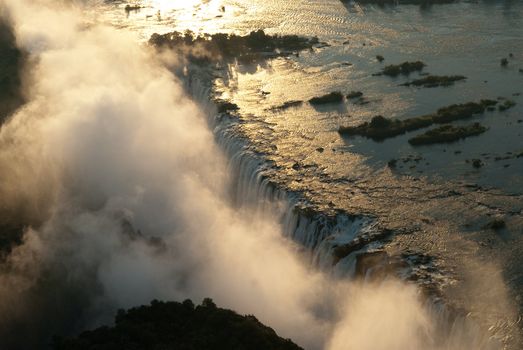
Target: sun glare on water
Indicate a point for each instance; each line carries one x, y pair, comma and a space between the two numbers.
161, 16
168, 5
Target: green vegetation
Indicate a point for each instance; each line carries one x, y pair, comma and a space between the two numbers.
381, 128
431, 81
333, 97
355, 94
129, 8
205, 48
380, 58
462, 111
447, 133
477, 163
504, 62
181, 326
404, 68
507, 104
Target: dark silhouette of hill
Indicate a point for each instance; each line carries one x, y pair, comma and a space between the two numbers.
180, 326
10, 68
11, 65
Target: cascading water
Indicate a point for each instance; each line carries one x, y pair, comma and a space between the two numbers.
320, 234
251, 186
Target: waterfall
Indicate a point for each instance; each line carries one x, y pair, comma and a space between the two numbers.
321, 235
318, 233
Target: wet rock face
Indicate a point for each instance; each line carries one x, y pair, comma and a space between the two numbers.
366, 262
173, 325
11, 61
358, 243
225, 106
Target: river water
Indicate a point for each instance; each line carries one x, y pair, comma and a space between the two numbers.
434, 199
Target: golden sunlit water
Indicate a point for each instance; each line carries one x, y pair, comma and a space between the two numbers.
463, 38
310, 157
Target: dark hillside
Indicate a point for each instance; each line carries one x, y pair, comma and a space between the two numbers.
181, 326
11, 59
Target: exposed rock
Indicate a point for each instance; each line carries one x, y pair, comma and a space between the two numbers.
226, 106
342, 251
392, 163
368, 261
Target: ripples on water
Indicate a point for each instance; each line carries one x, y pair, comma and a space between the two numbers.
351, 173
464, 38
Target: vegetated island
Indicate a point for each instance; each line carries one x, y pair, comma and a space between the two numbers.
447, 133
354, 94
333, 97
286, 105
507, 104
133, 7
380, 128
205, 48
405, 68
432, 81
181, 326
